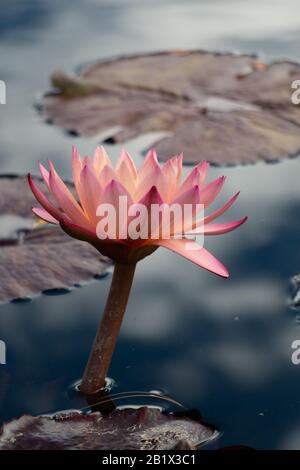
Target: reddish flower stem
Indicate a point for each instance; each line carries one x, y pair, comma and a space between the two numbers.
109, 328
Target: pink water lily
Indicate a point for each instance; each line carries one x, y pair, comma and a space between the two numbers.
97, 181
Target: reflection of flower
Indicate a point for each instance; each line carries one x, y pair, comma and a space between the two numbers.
97, 182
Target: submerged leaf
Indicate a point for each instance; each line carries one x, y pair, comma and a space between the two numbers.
37, 257
225, 108
142, 428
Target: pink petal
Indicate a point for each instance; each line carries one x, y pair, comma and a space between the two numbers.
106, 175
153, 177
222, 210
211, 190
196, 254
87, 161
196, 176
197, 225
45, 175
76, 165
152, 197
203, 168
44, 215
126, 171
101, 159
44, 201
90, 191
191, 198
179, 161
64, 197
170, 172
112, 195
149, 165
218, 229
126, 158
85, 234
80, 232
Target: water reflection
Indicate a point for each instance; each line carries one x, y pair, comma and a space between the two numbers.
20, 20
219, 346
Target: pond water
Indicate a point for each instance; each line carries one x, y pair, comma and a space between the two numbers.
220, 346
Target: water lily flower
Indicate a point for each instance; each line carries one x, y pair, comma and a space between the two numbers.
98, 184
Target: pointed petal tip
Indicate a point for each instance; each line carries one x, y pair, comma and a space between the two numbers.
235, 196
114, 183
220, 270
221, 227
115, 186
153, 190
85, 168
152, 153
30, 180
152, 195
180, 160
75, 152
40, 164
51, 166
197, 254
202, 166
44, 215
241, 221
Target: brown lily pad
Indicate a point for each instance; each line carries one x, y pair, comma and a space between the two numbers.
140, 429
38, 257
16, 197
226, 108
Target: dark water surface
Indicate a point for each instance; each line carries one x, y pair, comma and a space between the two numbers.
221, 346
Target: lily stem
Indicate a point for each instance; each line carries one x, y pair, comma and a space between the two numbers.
104, 344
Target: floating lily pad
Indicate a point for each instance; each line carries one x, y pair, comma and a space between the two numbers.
16, 197
226, 108
141, 429
37, 257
